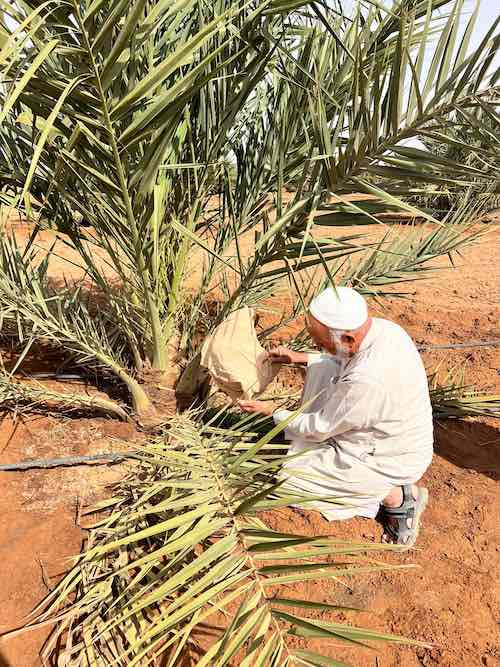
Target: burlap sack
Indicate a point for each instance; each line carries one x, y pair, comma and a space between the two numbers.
235, 359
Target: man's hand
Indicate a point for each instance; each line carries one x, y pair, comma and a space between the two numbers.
259, 407
282, 355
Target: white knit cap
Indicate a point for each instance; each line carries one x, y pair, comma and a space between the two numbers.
341, 308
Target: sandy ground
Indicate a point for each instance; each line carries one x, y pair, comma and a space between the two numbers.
451, 600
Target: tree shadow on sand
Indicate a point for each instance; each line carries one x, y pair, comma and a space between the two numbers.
470, 445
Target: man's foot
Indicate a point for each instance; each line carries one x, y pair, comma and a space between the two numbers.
401, 524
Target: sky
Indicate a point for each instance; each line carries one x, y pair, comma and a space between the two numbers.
488, 12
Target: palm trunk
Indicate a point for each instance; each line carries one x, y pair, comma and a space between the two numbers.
159, 357
141, 402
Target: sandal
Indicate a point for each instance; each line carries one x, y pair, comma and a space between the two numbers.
401, 524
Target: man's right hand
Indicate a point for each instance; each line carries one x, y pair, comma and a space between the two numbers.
282, 355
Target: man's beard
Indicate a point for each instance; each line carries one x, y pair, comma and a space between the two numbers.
342, 351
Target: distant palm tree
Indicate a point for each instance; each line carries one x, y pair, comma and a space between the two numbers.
474, 146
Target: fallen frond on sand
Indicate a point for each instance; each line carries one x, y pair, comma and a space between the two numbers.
180, 544
45, 464
453, 397
23, 397
459, 402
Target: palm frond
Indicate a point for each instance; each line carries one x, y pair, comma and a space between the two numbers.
453, 398
20, 397
181, 544
34, 309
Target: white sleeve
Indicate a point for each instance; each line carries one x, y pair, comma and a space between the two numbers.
316, 357
351, 405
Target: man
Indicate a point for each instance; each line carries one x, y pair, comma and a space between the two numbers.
365, 434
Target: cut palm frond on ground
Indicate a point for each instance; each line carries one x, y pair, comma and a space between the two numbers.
464, 402
452, 397
20, 397
180, 544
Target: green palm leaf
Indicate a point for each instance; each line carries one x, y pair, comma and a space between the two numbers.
167, 553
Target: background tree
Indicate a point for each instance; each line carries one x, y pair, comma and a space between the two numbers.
470, 146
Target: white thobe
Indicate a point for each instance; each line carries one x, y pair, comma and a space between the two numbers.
366, 425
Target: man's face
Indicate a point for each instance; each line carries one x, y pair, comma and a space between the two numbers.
322, 337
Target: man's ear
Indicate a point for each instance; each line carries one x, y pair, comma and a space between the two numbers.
348, 338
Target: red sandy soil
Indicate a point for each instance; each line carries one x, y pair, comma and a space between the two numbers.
452, 599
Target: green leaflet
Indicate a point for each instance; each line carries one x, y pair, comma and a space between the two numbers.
180, 57
318, 660
24, 80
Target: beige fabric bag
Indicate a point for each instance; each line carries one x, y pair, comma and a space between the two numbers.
235, 359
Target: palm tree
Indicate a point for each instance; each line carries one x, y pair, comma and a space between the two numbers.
171, 129
135, 115
470, 146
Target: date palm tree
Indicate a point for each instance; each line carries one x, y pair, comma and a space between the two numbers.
137, 116
151, 136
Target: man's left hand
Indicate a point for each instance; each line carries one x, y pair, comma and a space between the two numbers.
256, 406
